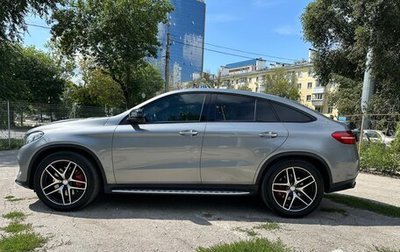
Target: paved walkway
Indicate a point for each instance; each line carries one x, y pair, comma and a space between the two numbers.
377, 188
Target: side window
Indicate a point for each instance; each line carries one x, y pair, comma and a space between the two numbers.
175, 108
288, 114
265, 112
234, 108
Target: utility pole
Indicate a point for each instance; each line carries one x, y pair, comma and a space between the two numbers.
167, 58
367, 93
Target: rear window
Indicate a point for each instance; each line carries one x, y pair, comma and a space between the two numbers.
289, 114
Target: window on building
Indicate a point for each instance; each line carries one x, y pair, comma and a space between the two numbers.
309, 85
257, 78
318, 109
318, 96
310, 72
299, 85
308, 97
330, 110
299, 74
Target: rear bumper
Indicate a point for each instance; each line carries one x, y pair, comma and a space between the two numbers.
348, 184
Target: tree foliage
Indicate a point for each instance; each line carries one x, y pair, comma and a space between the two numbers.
343, 31
13, 12
30, 75
281, 84
117, 34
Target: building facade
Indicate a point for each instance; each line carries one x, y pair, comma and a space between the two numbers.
312, 94
186, 27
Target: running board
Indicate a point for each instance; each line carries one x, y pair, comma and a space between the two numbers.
181, 192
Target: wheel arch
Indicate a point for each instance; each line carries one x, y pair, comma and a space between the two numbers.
39, 155
314, 159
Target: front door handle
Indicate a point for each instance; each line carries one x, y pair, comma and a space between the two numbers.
268, 134
188, 133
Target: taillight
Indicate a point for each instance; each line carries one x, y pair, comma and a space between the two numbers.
345, 137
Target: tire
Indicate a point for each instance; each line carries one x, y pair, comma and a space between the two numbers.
294, 197
66, 181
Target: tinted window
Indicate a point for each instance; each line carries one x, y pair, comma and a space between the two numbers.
288, 114
234, 108
265, 112
175, 108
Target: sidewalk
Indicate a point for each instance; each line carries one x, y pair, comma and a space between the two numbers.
377, 188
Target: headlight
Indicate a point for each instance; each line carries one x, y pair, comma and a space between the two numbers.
33, 137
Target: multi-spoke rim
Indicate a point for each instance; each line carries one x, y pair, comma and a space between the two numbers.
63, 182
294, 189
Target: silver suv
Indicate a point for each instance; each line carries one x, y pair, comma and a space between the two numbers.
204, 141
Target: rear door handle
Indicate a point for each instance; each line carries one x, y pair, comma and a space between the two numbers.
188, 133
268, 134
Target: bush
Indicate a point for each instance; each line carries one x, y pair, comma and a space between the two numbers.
378, 157
15, 144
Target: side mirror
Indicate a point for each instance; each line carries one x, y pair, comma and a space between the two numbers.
136, 116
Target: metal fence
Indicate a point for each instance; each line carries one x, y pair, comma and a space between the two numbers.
18, 117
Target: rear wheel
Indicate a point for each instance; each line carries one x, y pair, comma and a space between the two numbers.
66, 181
292, 188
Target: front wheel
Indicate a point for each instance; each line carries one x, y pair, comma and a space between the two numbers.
292, 188
66, 181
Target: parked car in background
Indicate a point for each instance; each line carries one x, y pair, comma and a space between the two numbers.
377, 136
198, 141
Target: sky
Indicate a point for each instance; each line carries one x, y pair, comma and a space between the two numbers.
265, 27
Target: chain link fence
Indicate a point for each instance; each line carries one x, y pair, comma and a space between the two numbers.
378, 141
18, 117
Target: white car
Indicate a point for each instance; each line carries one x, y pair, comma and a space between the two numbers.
376, 136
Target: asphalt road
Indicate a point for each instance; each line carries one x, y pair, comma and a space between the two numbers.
177, 223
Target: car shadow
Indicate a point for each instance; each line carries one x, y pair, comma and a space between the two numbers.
203, 210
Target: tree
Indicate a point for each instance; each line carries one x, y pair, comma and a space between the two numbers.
347, 97
117, 34
13, 12
281, 84
343, 31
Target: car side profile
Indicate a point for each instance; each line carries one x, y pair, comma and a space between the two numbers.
196, 141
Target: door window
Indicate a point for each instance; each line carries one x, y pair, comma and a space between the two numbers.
234, 108
265, 112
175, 108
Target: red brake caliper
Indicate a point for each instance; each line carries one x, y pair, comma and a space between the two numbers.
78, 175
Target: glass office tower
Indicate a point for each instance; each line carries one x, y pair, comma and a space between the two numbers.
186, 27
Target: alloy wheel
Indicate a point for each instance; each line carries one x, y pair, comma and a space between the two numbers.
63, 182
294, 189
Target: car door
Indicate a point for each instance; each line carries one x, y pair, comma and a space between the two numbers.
244, 131
167, 147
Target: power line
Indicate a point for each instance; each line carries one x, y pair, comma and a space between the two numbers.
38, 26
246, 52
208, 49
220, 52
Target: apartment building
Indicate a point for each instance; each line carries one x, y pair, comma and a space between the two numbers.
252, 74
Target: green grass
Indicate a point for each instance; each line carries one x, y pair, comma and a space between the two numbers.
384, 209
255, 245
21, 242
14, 215
12, 198
15, 144
248, 231
16, 227
268, 226
334, 210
